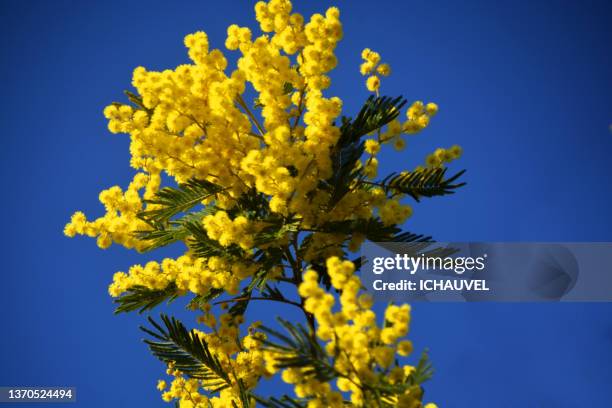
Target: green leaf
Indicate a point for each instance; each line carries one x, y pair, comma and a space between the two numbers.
173, 231
423, 370
141, 298
204, 247
345, 171
187, 350
252, 204
245, 395
428, 182
375, 113
299, 348
284, 402
178, 200
199, 300
137, 100
241, 302
373, 229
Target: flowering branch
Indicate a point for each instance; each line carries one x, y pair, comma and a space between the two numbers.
250, 211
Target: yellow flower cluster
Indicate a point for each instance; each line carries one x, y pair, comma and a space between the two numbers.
123, 118
243, 359
120, 219
372, 66
393, 212
418, 116
196, 122
196, 275
238, 231
442, 156
361, 348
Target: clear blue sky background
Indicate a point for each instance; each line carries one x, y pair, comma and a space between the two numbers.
524, 86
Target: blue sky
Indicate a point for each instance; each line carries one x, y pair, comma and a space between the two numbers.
523, 86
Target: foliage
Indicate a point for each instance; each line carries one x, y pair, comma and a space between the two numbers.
268, 198
187, 352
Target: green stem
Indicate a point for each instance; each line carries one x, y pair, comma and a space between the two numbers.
251, 116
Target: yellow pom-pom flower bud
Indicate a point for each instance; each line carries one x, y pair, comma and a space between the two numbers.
399, 144
431, 108
384, 69
404, 348
372, 146
456, 151
373, 83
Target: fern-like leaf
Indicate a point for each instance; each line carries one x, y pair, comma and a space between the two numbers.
375, 113
142, 298
177, 200
203, 246
173, 231
428, 182
373, 229
299, 348
284, 402
187, 350
199, 301
423, 370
